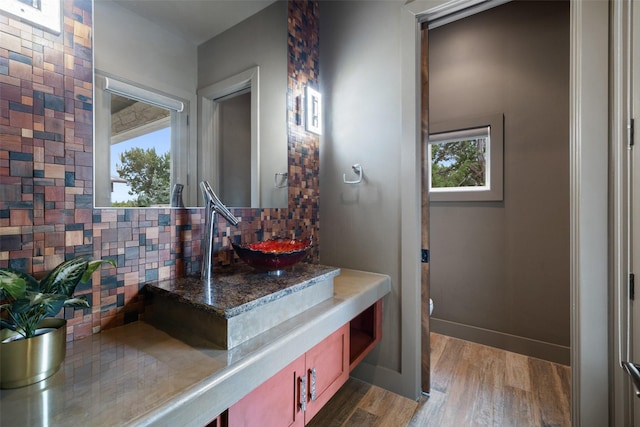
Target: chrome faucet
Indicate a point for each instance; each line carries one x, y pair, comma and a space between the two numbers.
212, 205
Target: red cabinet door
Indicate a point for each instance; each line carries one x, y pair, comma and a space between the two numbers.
274, 403
327, 370
295, 394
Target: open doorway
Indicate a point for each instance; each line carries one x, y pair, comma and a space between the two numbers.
500, 266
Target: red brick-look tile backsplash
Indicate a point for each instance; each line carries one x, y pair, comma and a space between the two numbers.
46, 173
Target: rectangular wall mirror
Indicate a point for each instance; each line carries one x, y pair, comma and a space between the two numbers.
154, 66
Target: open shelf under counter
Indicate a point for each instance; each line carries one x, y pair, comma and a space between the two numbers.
365, 333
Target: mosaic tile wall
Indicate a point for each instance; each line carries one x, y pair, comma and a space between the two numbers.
46, 173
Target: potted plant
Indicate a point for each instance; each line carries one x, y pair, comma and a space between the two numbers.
32, 340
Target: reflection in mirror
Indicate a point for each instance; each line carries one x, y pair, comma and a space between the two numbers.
235, 148
140, 153
146, 43
230, 144
136, 133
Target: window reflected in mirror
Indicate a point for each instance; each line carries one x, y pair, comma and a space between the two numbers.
140, 153
138, 141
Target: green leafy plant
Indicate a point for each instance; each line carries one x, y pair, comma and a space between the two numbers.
28, 301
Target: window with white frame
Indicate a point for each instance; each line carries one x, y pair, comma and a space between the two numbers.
465, 160
459, 160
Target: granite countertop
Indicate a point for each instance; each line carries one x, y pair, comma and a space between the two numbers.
239, 288
138, 375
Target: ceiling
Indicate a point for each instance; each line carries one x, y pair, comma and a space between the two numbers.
195, 20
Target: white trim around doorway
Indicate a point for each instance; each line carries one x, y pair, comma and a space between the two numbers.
589, 142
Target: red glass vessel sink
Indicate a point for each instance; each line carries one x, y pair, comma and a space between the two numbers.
273, 255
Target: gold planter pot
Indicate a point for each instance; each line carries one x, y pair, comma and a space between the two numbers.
27, 361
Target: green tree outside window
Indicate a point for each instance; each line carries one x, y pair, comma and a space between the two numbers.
147, 174
459, 163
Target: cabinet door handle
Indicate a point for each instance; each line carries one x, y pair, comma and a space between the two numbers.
303, 393
312, 371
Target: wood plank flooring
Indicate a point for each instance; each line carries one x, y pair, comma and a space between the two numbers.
471, 385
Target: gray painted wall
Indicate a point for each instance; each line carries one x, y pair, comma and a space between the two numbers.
500, 271
360, 77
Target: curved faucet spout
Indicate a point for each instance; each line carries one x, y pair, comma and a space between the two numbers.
212, 206
212, 201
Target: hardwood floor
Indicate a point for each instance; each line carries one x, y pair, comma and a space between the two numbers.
361, 404
471, 385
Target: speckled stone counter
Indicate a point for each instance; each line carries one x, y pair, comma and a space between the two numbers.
239, 303
239, 288
139, 375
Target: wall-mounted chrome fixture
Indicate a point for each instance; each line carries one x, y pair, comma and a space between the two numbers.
359, 171
313, 110
280, 180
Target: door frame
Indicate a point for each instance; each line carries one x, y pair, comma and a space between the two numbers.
589, 243
425, 266
634, 82
622, 206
